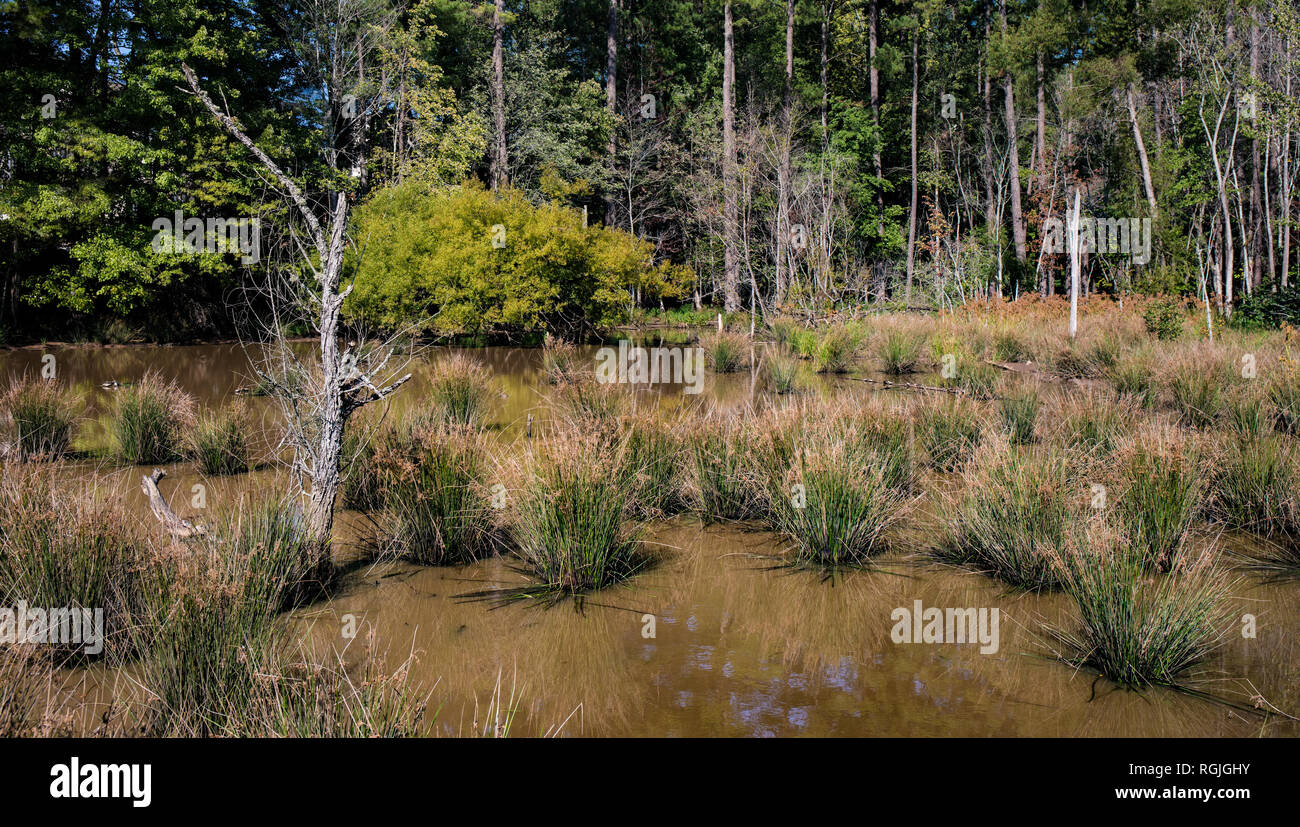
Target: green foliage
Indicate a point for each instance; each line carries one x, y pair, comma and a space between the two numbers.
1266, 310
430, 261
1164, 318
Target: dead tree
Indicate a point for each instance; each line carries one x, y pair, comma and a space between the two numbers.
175, 526
318, 400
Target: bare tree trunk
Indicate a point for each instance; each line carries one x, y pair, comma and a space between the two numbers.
827, 11
347, 380
873, 71
987, 97
182, 529
784, 171
1142, 153
730, 206
1256, 211
1040, 134
500, 165
911, 213
1284, 197
1017, 211
1075, 255
611, 95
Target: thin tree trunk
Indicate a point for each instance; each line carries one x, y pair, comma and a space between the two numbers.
1017, 212
873, 72
730, 208
499, 160
611, 97
1142, 153
1256, 207
911, 213
1040, 134
1075, 255
784, 173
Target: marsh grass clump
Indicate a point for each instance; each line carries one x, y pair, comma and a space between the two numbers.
1162, 495
590, 405
148, 421
900, 352
301, 697
1284, 397
562, 362
949, 434
461, 391
270, 537
572, 528
887, 442
782, 373
1246, 412
1019, 416
652, 457
1073, 362
803, 342
1009, 346
723, 482
436, 508
977, 379
218, 442
40, 417
208, 625
1197, 395
836, 509
1255, 486
1136, 630
837, 349
1094, 421
726, 352
62, 545
1132, 378
1016, 509
360, 481
784, 330
1104, 353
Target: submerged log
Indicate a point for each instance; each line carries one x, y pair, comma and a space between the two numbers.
175, 526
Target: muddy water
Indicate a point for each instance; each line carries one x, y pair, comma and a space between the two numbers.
736, 647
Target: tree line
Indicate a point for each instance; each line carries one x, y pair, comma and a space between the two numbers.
774, 155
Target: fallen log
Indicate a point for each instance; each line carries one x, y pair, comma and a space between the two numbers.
175, 526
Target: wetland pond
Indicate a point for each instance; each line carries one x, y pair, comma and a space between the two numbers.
738, 648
